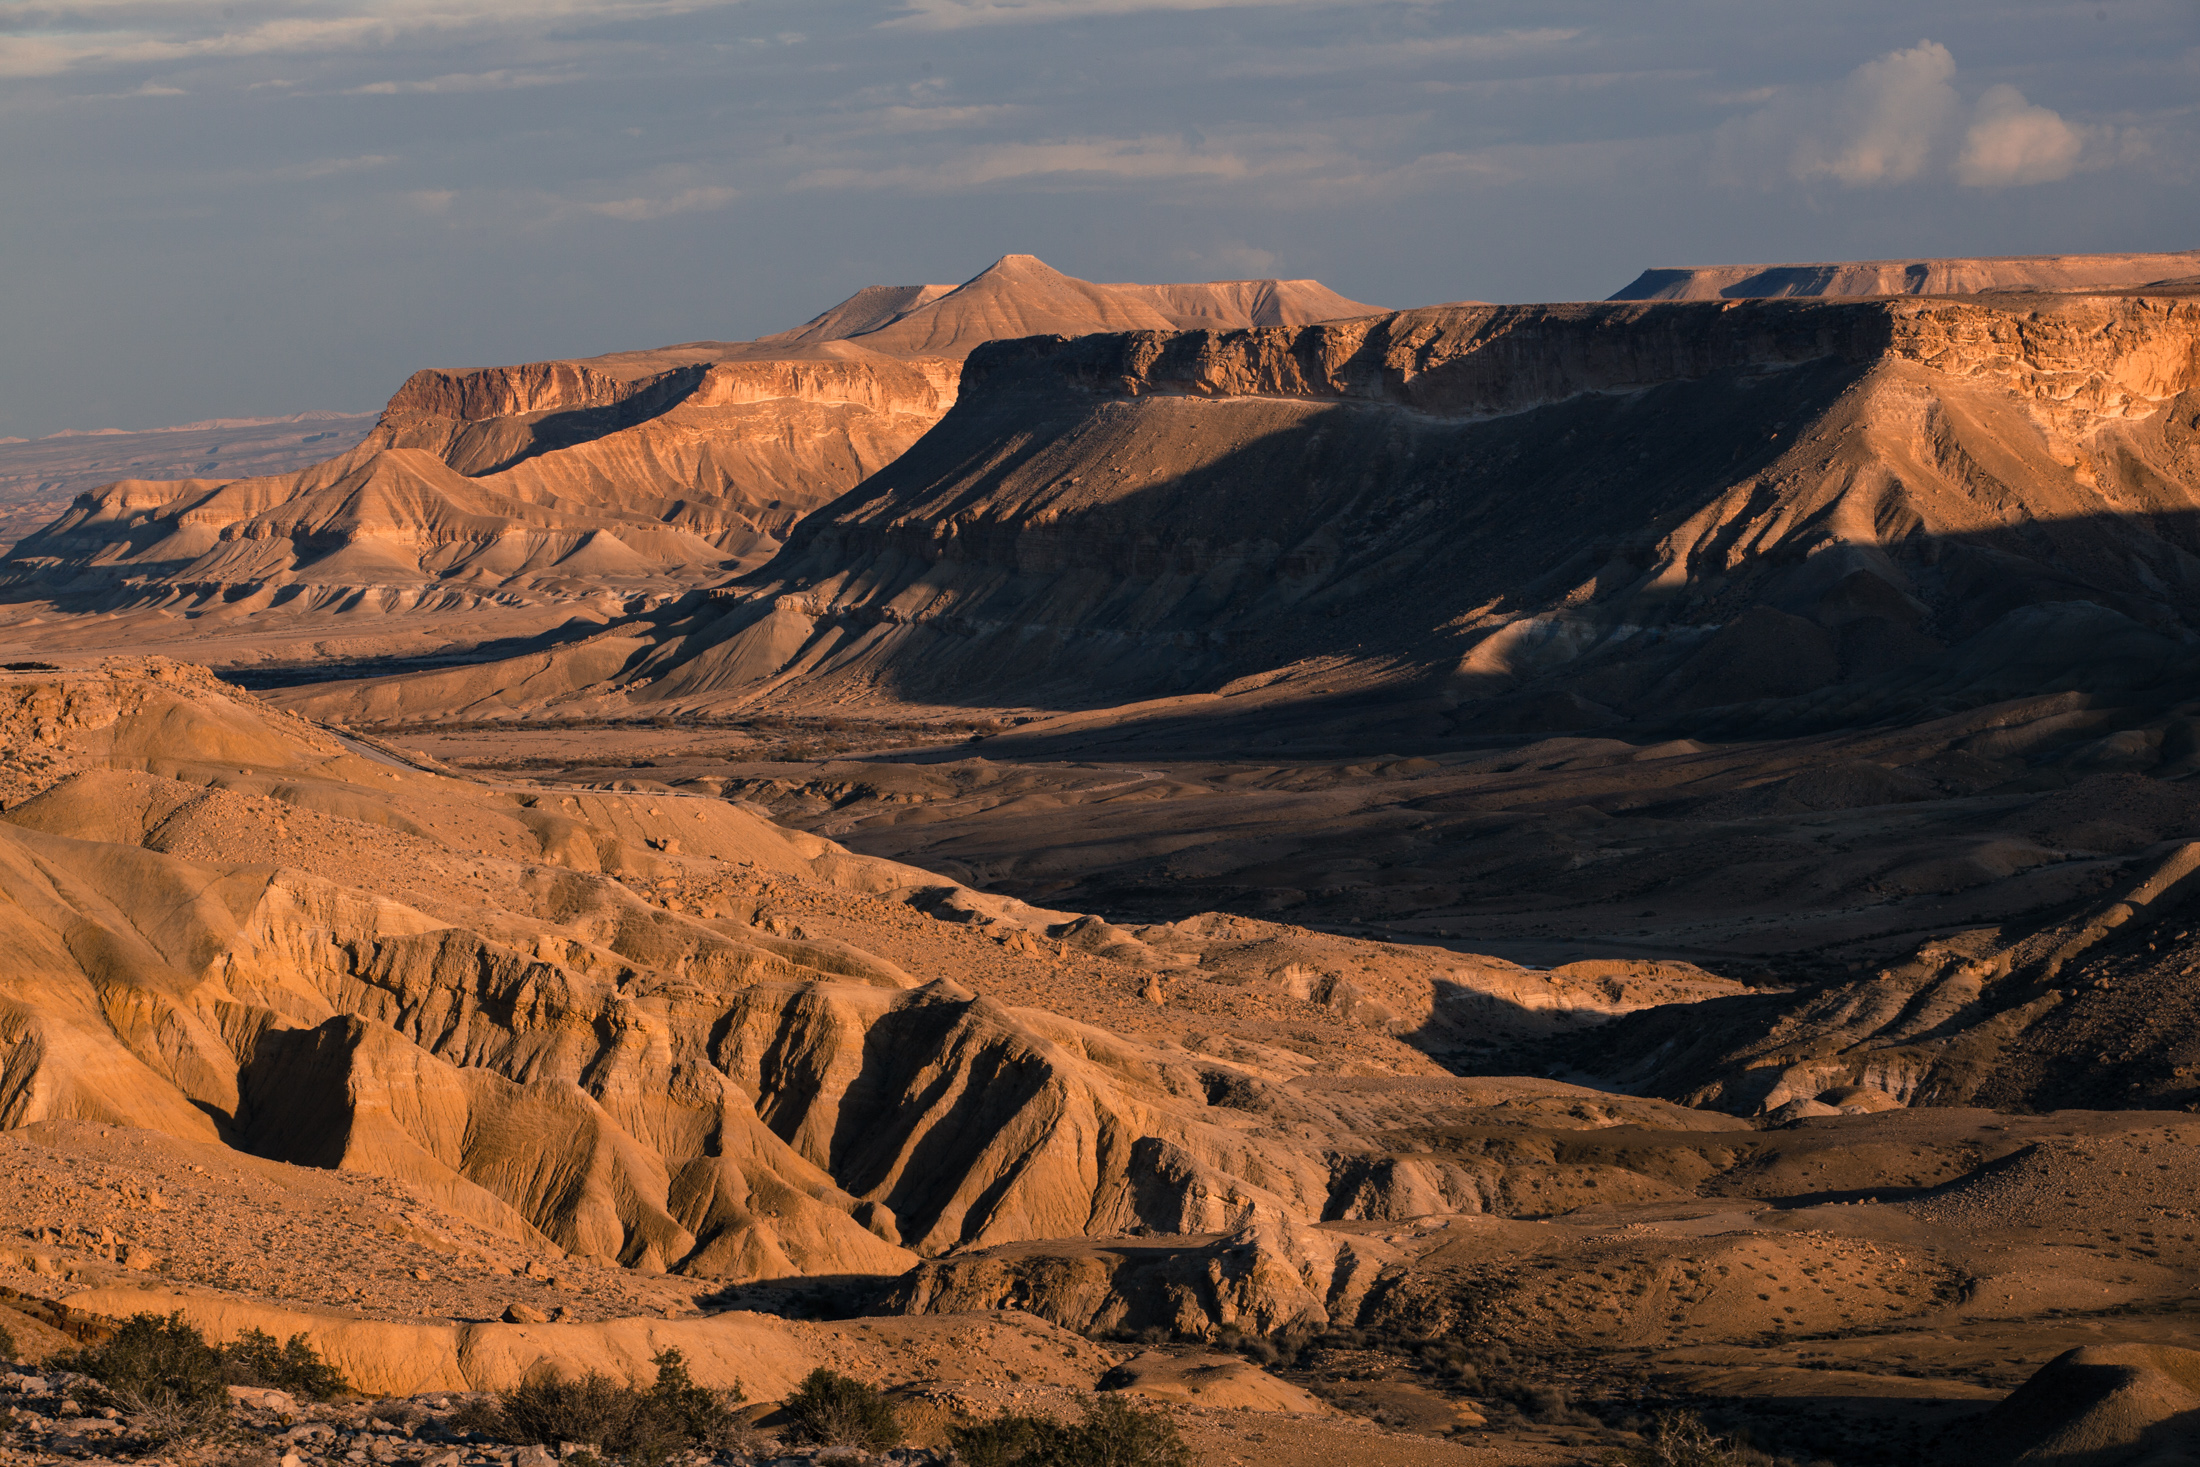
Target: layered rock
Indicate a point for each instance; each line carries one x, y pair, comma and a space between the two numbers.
1808, 512
2097, 1009
614, 482
1958, 276
230, 926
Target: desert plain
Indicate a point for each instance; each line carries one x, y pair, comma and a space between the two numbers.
1469, 885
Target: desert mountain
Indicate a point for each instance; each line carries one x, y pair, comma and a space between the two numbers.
590, 487
1912, 277
1714, 519
40, 476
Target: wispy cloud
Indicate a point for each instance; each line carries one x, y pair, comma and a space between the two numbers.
331, 167
1336, 58
956, 14
99, 36
664, 206
464, 81
1071, 160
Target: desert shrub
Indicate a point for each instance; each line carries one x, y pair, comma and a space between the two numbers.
163, 1373
834, 1410
1007, 1441
1680, 1439
7, 1346
699, 1415
1113, 1433
254, 1359
674, 1414
1550, 1406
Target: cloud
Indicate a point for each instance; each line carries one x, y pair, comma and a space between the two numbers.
2013, 142
475, 81
1885, 121
330, 167
1092, 160
686, 201
940, 15
93, 37
1335, 58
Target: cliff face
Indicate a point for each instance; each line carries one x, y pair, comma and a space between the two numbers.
1911, 277
1588, 514
620, 480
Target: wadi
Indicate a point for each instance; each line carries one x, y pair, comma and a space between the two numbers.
1039, 869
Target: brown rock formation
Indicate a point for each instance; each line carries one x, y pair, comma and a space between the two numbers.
610, 482
1912, 277
1528, 516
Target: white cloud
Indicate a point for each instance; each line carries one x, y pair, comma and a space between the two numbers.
1885, 122
2011, 142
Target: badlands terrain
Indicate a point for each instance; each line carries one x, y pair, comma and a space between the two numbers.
1411, 887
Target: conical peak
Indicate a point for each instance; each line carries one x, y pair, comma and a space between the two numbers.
1020, 267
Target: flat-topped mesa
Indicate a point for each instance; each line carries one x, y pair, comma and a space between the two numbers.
2106, 354
1612, 512
632, 474
496, 392
1956, 276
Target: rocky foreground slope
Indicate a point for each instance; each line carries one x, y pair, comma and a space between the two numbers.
445, 1048
595, 485
630, 1025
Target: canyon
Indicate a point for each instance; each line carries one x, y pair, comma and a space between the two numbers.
1408, 886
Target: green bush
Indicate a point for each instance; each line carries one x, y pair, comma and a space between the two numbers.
646, 1427
163, 1373
1113, 1433
834, 1410
254, 1359
1006, 1441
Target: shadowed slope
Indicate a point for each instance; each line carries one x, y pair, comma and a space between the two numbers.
614, 481
1556, 517
1910, 277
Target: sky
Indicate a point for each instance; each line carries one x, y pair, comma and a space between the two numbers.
268, 206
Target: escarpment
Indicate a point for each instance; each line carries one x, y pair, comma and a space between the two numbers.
1804, 512
607, 485
1958, 276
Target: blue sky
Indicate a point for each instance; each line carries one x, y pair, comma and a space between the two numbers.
265, 206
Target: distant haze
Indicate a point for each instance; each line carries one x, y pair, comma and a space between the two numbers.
260, 208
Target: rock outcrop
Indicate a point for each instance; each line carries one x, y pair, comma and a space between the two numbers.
1960, 276
1798, 513
582, 1020
2097, 1009
613, 482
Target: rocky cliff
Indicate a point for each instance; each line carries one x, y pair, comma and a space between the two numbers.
616, 482
1912, 277
1539, 516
